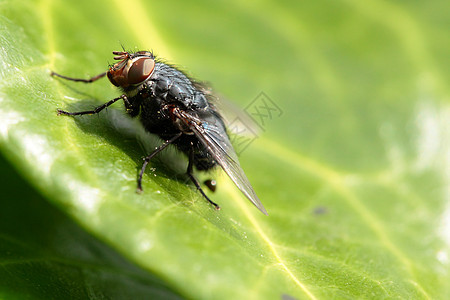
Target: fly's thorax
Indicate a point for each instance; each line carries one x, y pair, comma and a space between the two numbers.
173, 87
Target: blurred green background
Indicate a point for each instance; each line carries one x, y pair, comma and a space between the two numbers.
354, 172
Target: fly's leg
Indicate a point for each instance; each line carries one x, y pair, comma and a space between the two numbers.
95, 110
147, 159
90, 80
195, 181
95, 78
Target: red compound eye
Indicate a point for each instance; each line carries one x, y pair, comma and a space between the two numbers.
129, 71
140, 70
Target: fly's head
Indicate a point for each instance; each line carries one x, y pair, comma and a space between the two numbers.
132, 69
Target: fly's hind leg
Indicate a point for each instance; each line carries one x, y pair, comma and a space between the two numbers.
195, 181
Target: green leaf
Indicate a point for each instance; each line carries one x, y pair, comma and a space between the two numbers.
44, 254
354, 172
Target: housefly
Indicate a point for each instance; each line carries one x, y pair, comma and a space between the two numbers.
178, 110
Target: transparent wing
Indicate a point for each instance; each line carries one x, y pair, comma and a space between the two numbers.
237, 121
211, 132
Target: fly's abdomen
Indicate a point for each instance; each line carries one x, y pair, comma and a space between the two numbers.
204, 162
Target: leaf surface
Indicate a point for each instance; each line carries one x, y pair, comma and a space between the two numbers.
351, 160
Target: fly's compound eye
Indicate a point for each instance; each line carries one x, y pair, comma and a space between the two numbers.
131, 71
140, 70
111, 77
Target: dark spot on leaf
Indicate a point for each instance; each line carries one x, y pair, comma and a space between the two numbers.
287, 297
320, 210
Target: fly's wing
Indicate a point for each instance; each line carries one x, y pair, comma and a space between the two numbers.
211, 132
238, 122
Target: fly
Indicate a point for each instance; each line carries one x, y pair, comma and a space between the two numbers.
178, 110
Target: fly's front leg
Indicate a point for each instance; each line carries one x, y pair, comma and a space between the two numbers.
90, 80
95, 110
